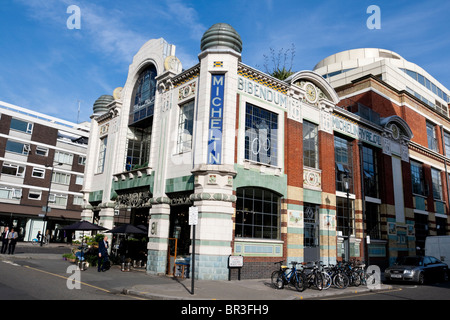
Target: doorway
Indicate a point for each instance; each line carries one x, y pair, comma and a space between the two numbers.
179, 235
311, 233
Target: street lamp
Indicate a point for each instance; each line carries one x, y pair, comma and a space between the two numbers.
48, 199
347, 180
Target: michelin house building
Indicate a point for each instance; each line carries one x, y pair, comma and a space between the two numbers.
272, 166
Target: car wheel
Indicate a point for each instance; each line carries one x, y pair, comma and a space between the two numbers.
421, 278
445, 277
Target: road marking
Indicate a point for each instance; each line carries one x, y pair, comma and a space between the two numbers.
11, 263
86, 284
363, 294
59, 276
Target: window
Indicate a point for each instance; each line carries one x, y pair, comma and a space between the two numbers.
373, 221
311, 231
261, 128
58, 199
437, 184
38, 173
138, 153
10, 193
441, 226
185, 127
77, 200
41, 151
310, 145
447, 144
257, 214
344, 163
431, 136
17, 147
79, 180
22, 126
102, 154
62, 178
370, 172
63, 157
81, 160
144, 96
418, 182
34, 195
345, 216
13, 170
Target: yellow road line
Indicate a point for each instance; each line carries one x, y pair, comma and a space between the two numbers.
66, 278
362, 294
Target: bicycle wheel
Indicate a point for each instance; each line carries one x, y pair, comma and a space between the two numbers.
340, 280
299, 281
277, 279
326, 280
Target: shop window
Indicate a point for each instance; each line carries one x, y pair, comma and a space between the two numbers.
261, 136
257, 214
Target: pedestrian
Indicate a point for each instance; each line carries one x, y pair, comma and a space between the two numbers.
4, 239
12, 237
103, 254
38, 237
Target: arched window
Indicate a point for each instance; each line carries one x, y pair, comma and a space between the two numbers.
257, 214
144, 95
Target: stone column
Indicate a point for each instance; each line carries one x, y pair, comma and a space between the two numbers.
214, 233
158, 236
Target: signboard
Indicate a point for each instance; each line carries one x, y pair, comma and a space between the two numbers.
216, 119
193, 216
235, 261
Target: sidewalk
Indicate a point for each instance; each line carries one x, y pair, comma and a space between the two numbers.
138, 283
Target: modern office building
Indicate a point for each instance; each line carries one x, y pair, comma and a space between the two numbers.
276, 169
42, 161
408, 198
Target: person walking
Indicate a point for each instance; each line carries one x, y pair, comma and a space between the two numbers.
102, 254
12, 237
4, 238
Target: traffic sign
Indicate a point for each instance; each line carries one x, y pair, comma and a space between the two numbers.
193, 216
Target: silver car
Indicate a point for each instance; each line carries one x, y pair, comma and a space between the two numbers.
417, 269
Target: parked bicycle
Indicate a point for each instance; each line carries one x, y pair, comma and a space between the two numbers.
282, 277
312, 275
36, 241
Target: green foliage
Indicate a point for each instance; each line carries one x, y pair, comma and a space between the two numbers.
280, 68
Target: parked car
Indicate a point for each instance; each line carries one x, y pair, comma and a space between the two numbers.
417, 269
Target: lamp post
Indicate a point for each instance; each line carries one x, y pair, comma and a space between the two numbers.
48, 199
347, 188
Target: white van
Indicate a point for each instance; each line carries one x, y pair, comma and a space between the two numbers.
438, 247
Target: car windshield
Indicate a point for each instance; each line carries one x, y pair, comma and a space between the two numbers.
410, 261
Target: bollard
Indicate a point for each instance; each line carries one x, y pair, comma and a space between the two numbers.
140, 264
128, 266
123, 267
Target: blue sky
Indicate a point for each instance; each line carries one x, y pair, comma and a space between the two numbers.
45, 66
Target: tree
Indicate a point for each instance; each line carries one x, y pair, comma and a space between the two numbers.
280, 68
